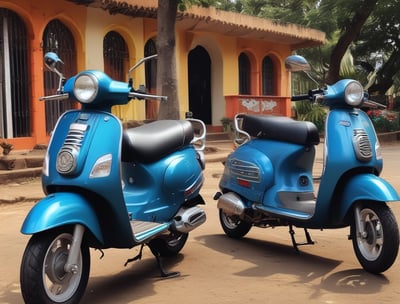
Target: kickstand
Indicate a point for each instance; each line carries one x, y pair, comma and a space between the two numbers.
296, 245
163, 273
138, 257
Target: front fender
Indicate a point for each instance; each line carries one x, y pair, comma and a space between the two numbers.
61, 208
366, 187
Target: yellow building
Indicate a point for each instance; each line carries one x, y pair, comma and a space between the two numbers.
226, 62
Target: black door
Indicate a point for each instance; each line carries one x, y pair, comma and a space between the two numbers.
199, 69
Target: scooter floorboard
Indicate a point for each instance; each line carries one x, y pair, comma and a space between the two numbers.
142, 230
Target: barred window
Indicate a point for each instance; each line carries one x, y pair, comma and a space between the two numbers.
268, 81
15, 86
116, 56
244, 74
58, 38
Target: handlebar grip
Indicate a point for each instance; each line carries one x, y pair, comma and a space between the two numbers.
301, 97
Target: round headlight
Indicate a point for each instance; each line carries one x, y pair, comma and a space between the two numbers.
86, 88
354, 94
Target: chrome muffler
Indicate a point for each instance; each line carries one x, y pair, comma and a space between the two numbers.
231, 204
188, 219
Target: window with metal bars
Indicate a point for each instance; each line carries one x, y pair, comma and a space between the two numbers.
268, 81
59, 39
244, 74
116, 56
15, 114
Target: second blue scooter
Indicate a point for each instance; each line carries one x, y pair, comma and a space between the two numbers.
268, 180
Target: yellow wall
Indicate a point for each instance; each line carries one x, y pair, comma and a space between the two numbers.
98, 24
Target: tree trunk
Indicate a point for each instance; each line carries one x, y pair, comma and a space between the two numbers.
167, 83
385, 74
351, 32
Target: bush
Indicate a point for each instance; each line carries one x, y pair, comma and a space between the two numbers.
384, 120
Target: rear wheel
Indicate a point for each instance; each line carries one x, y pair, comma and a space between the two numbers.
376, 249
169, 245
233, 226
42, 275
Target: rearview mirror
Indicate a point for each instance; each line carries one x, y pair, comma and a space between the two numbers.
296, 63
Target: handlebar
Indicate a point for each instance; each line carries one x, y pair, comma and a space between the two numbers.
55, 97
310, 96
139, 95
373, 104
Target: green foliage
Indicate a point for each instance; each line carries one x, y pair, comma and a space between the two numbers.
308, 111
378, 36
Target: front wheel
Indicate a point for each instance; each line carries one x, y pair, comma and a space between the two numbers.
376, 249
233, 226
42, 275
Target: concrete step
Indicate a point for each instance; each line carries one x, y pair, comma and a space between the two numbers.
218, 136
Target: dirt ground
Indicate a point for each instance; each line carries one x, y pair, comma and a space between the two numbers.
261, 268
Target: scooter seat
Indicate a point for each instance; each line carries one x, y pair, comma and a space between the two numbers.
281, 128
150, 142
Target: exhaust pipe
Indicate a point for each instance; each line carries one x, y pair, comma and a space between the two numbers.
231, 204
188, 219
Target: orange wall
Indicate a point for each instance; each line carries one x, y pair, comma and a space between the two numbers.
36, 15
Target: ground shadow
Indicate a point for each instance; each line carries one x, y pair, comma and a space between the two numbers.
136, 279
272, 258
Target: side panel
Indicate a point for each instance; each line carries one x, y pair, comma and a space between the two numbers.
156, 191
61, 209
366, 187
248, 172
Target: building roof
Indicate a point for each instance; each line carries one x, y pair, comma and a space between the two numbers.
218, 21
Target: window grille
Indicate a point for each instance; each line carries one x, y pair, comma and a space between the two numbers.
15, 86
268, 82
244, 74
59, 39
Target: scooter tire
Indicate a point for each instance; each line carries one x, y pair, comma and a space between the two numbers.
378, 249
233, 226
42, 274
170, 245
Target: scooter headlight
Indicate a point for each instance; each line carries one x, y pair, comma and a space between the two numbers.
86, 88
354, 93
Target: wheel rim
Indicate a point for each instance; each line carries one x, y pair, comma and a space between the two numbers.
58, 284
175, 240
229, 221
371, 243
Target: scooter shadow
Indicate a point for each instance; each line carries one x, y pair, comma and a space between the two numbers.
134, 283
273, 258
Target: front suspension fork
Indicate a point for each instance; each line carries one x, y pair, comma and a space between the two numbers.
74, 251
360, 232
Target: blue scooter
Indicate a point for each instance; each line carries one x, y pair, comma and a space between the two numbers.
109, 187
268, 180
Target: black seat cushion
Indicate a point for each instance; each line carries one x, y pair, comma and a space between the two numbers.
151, 142
281, 128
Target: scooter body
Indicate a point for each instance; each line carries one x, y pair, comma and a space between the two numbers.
269, 180
109, 187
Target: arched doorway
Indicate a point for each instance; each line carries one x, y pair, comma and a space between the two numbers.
199, 69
